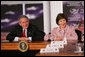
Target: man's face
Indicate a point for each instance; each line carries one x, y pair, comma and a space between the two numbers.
24, 23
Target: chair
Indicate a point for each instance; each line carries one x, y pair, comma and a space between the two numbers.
79, 34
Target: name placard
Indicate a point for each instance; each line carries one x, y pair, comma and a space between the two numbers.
49, 50
55, 46
57, 42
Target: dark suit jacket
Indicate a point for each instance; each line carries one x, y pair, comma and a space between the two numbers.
32, 31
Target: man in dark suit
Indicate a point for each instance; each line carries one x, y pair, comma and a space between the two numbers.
25, 31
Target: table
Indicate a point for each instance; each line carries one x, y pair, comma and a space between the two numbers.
37, 45
67, 51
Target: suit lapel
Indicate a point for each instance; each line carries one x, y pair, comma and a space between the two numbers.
29, 32
20, 32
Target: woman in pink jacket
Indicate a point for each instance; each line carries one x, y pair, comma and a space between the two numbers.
58, 33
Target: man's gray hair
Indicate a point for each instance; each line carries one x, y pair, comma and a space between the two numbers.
23, 16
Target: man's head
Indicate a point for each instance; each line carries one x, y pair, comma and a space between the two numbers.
24, 21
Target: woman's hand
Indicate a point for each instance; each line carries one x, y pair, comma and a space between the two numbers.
46, 37
58, 38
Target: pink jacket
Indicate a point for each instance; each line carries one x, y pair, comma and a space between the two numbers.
68, 32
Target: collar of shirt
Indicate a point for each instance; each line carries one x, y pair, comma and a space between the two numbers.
64, 29
63, 32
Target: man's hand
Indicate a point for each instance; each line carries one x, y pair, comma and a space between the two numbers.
23, 39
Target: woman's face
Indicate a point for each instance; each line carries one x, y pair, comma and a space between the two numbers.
62, 23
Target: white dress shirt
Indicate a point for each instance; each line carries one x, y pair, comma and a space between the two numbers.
16, 38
